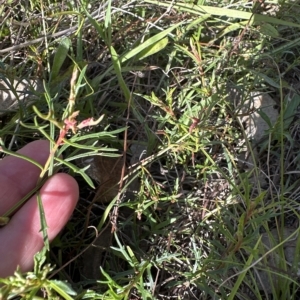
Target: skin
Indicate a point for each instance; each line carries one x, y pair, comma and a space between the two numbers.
20, 238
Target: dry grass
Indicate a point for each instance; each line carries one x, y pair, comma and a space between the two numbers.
193, 228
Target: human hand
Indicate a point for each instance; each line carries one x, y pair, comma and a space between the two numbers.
20, 239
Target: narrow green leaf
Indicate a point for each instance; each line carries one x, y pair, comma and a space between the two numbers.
221, 11
15, 207
106, 214
79, 42
153, 49
198, 21
79, 83
147, 43
290, 110
269, 80
134, 52
60, 56
18, 155
60, 289
230, 28
107, 23
241, 275
282, 48
98, 27
268, 29
259, 199
77, 170
63, 287
117, 67
80, 146
98, 135
43, 221
132, 257
241, 225
265, 117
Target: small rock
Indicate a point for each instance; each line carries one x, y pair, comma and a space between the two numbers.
250, 109
256, 126
20, 92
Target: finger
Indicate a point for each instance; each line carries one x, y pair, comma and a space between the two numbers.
18, 176
21, 239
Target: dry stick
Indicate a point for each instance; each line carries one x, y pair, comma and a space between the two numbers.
80, 253
115, 212
87, 219
65, 32
95, 198
40, 39
72, 29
